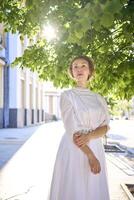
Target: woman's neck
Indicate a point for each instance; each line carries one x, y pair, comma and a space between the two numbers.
81, 85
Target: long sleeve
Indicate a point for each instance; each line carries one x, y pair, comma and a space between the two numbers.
68, 115
106, 113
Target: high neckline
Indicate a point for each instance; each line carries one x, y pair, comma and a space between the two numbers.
81, 89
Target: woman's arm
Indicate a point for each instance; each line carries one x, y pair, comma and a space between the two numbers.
98, 132
83, 139
68, 116
93, 161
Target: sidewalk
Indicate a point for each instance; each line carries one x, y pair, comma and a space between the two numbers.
27, 175
122, 133
11, 140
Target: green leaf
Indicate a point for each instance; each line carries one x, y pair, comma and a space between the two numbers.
102, 29
107, 19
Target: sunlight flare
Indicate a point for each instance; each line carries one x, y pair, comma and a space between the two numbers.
49, 32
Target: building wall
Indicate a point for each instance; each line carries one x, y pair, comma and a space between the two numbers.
26, 106
1, 86
27, 102
52, 101
2, 63
26, 91
1, 92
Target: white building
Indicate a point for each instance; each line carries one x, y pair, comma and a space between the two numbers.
22, 99
52, 100
2, 63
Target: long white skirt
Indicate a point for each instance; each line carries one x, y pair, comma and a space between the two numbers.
72, 177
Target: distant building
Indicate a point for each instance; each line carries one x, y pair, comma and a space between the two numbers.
132, 109
52, 100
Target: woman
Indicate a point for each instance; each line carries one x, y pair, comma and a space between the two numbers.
80, 170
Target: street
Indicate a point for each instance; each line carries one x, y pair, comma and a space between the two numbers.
122, 131
27, 175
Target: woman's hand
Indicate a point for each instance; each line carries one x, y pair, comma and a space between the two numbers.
81, 139
94, 164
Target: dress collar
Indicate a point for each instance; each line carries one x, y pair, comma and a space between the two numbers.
82, 91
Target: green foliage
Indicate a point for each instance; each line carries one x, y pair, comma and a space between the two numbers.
121, 108
102, 29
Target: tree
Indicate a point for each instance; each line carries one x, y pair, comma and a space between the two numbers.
102, 29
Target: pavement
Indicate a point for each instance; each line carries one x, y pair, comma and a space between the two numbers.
11, 139
27, 157
122, 133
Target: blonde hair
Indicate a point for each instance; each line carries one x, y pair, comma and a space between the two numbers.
90, 64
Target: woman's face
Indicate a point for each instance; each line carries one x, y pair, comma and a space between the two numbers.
80, 70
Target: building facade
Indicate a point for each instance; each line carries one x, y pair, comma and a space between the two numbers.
52, 102
21, 91
2, 63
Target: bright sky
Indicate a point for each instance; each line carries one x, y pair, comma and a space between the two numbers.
49, 32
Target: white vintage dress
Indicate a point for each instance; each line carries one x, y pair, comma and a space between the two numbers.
81, 109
